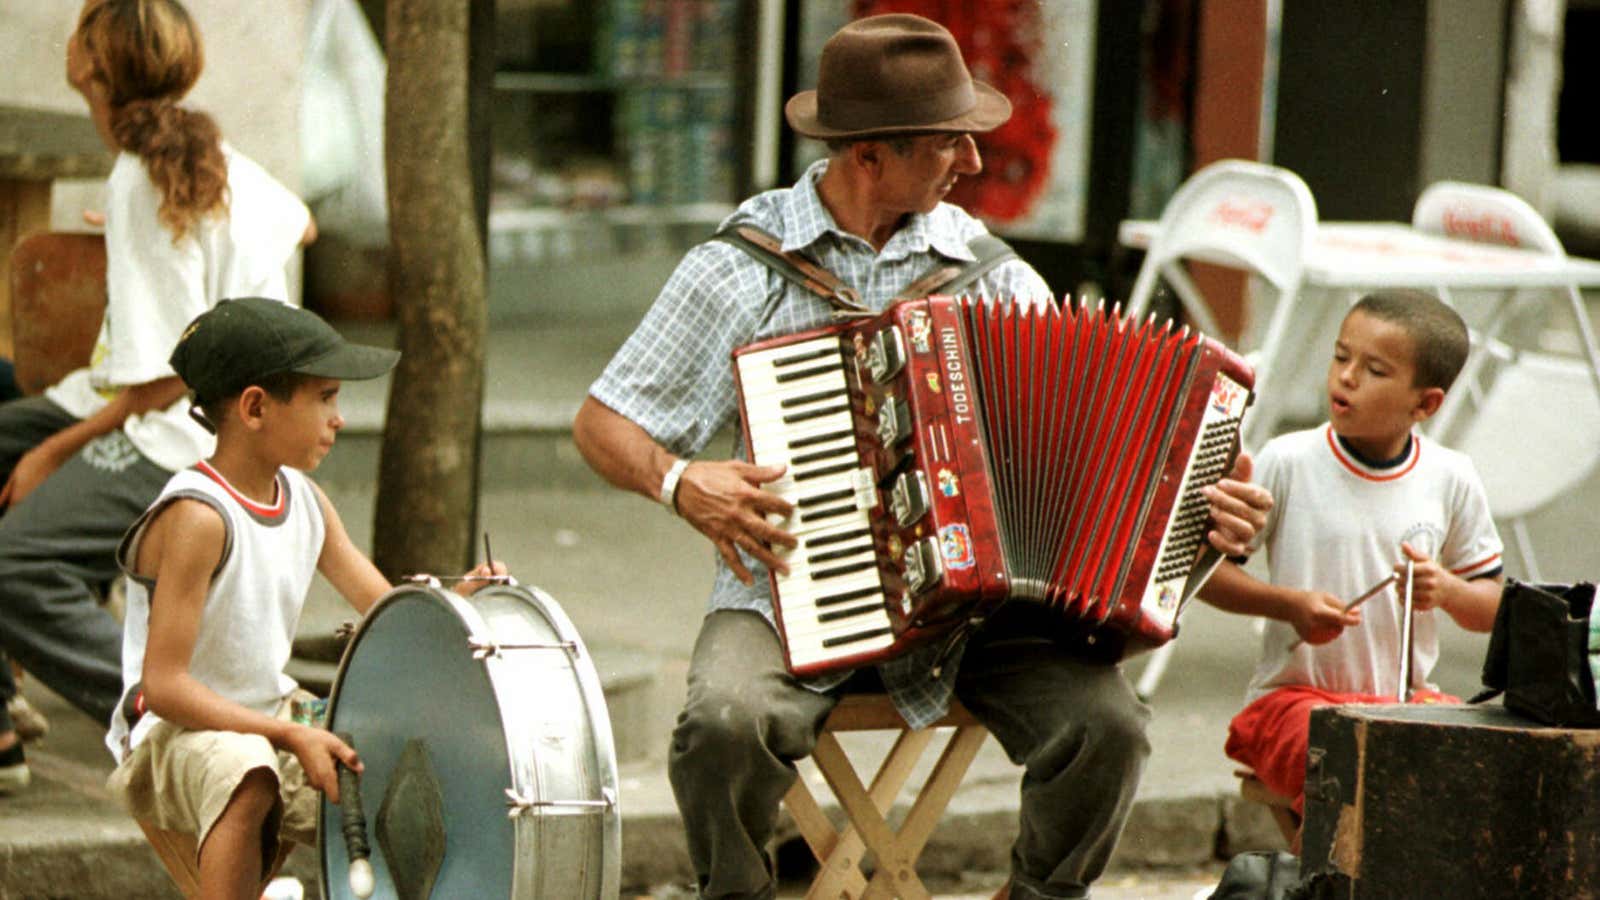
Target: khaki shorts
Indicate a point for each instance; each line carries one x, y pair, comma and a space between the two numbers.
181, 780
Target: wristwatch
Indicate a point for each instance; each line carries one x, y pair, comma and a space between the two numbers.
669, 485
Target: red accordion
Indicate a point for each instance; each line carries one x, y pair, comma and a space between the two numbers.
947, 455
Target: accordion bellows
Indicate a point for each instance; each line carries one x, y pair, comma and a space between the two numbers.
949, 455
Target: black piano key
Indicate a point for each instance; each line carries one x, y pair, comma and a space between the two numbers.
846, 596
837, 571
836, 538
841, 553
796, 358
820, 455
805, 373
809, 474
828, 513
792, 418
867, 635
838, 614
831, 496
812, 398
816, 439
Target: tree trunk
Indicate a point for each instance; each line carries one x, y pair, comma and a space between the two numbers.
427, 471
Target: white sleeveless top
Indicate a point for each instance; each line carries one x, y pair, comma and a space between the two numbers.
252, 608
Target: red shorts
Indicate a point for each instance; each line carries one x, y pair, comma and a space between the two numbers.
1272, 734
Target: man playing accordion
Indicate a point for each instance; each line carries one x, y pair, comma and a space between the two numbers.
897, 107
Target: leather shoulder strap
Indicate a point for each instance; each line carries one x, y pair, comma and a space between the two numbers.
768, 250
953, 278
945, 278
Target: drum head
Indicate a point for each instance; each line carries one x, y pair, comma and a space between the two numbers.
501, 696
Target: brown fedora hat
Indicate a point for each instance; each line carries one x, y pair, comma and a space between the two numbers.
893, 74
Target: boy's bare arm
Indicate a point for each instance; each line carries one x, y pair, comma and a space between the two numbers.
182, 548
349, 570
1316, 616
42, 461
1472, 604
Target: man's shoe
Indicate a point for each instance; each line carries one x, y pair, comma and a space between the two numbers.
31, 724
14, 775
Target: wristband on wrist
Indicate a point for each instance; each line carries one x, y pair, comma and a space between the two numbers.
669, 486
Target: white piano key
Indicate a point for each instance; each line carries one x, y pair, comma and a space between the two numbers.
801, 594
808, 646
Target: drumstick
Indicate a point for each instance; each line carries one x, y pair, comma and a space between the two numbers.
354, 827
1371, 592
1366, 595
1405, 639
488, 555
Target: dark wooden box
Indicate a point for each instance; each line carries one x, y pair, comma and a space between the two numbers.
1450, 801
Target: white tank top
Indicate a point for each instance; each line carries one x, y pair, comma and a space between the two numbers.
252, 608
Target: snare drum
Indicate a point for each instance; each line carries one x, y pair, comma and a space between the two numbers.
489, 769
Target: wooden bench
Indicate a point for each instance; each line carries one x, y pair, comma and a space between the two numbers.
840, 852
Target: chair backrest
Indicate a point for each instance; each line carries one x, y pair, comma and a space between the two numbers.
1490, 215
1245, 215
58, 299
1533, 438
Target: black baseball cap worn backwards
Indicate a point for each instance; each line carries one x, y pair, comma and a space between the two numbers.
239, 342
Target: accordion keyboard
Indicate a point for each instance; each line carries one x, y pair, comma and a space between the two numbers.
799, 416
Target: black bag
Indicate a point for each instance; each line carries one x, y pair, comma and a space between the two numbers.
1539, 654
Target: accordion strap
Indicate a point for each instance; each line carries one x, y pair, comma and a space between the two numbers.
953, 278
947, 277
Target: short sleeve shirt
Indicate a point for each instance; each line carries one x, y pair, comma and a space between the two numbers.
673, 377
156, 286
1336, 525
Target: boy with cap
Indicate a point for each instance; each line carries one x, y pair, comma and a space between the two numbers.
220, 564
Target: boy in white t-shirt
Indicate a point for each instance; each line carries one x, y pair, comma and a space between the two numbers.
220, 564
1354, 499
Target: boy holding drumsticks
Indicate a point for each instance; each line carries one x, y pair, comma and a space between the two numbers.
1360, 501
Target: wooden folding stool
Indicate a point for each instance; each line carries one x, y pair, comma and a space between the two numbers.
841, 852
1279, 805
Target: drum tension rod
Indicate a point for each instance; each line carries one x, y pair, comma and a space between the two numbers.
485, 649
517, 804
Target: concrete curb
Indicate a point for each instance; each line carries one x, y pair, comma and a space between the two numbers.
1179, 832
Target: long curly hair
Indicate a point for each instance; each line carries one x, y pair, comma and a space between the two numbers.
147, 54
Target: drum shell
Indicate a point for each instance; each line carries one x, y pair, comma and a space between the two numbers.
502, 691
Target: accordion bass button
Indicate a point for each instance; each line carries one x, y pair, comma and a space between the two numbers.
908, 498
924, 566
886, 354
894, 421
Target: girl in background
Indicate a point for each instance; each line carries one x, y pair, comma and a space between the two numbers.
189, 221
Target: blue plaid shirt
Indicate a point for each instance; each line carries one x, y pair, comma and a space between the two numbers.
673, 377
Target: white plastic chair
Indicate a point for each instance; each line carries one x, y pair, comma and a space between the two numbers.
1475, 212
1533, 441
1243, 215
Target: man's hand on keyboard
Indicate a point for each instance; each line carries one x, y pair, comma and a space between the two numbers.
723, 499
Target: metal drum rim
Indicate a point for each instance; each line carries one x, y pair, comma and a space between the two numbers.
477, 627
593, 696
